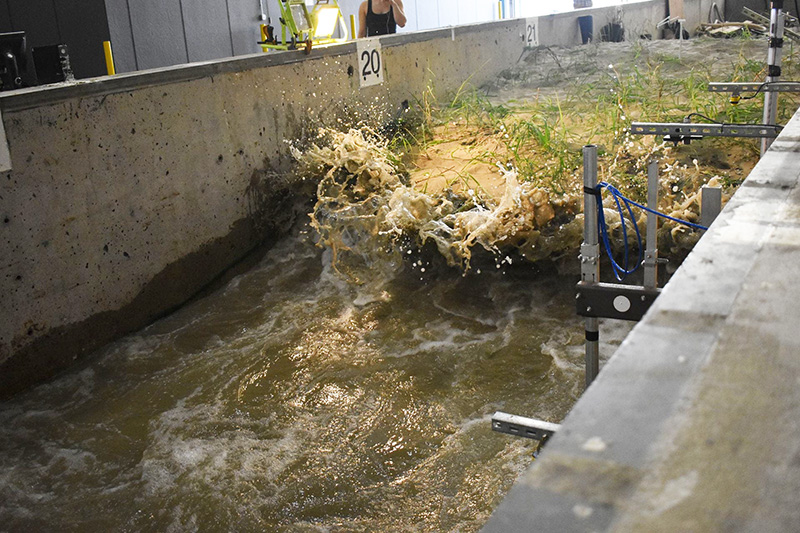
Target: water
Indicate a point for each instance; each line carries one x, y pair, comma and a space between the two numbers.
290, 400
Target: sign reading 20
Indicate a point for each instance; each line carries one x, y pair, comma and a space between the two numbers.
370, 62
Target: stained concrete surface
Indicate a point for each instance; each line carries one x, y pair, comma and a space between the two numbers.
694, 424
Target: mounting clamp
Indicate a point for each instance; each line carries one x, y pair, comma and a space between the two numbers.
521, 426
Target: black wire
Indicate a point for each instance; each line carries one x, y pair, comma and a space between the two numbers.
690, 115
764, 86
758, 91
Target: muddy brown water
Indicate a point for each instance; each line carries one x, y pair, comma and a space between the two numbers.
290, 400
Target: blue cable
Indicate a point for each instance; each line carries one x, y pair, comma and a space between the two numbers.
620, 271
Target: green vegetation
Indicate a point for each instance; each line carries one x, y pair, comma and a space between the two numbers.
541, 137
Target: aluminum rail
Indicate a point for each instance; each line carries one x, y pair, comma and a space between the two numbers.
683, 129
737, 87
590, 257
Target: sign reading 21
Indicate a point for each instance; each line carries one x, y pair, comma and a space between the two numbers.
532, 32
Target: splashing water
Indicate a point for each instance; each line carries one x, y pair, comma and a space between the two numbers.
363, 201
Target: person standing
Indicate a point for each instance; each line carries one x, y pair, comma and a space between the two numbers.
380, 17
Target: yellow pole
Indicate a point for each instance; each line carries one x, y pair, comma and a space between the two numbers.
353, 26
500, 10
109, 58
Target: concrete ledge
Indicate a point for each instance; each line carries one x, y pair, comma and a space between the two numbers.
694, 423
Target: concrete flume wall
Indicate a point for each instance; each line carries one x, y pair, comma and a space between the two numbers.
130, 193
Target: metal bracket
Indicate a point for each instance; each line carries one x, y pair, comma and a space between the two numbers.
589, 257
612, 300
521, 426
738, 88
685, 132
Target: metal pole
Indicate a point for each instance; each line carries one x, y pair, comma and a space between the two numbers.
776, 22
651, 239
590, 255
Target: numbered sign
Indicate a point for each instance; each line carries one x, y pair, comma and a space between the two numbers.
532, 32
370, 62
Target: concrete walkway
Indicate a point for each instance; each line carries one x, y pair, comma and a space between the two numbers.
694, 424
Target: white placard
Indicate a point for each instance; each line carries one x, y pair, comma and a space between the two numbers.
532, 32
5, 154
370, 62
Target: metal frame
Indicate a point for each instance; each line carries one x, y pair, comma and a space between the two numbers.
758, 17
299, 26
753, 87
686, 131
776, 24
595, 300
767, 131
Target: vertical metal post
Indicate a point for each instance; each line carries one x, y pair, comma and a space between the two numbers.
651, 238
776, 22
590, 255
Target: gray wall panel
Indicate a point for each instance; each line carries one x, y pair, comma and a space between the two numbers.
5, 16
119, 26
37, 18
208, 34
245, 25
83, 25
158, 33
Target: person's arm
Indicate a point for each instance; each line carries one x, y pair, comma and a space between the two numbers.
399, 14
362, 20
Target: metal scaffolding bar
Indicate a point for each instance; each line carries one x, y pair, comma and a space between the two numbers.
590, 256
752, 87
686, 130
776, 23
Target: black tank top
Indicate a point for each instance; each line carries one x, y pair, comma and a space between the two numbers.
380, 23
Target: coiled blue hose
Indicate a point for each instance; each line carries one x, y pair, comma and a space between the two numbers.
620, 271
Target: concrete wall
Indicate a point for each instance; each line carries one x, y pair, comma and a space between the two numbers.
130, 193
